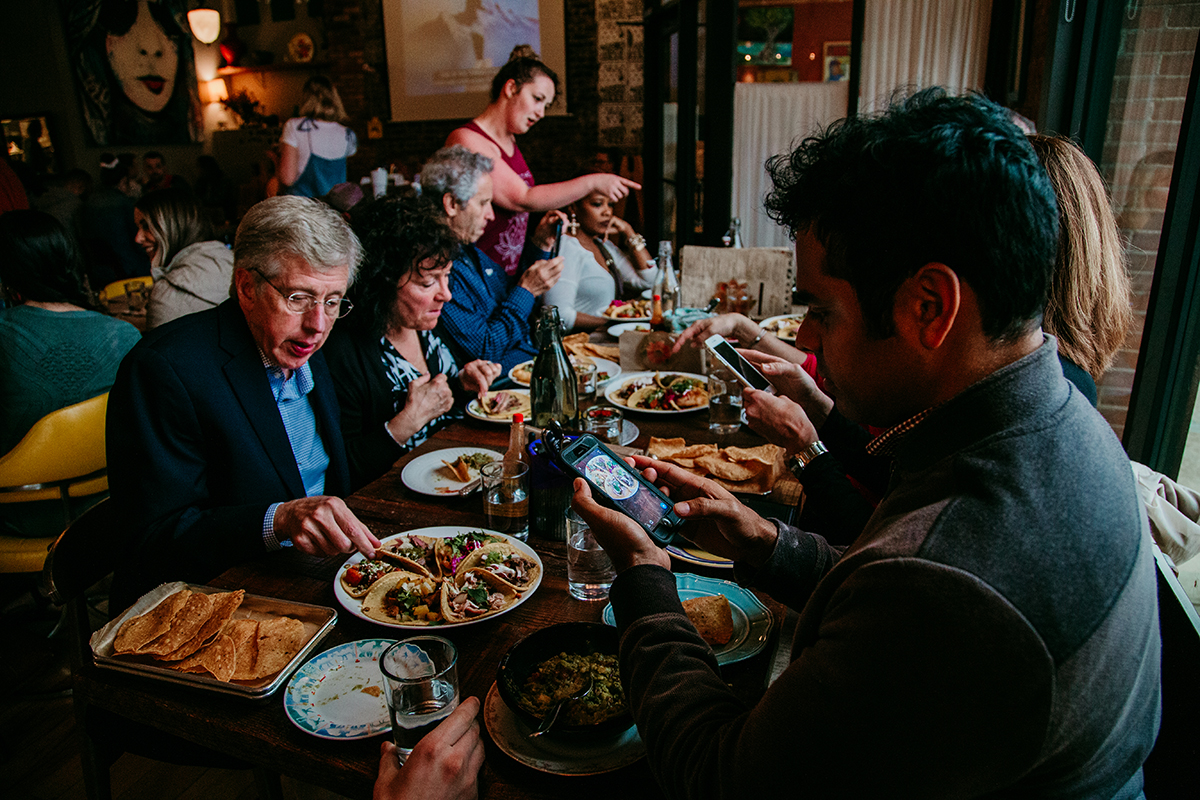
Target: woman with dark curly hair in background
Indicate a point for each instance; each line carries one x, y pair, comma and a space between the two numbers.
396, 381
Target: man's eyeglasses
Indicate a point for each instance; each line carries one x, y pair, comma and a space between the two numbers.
303, 302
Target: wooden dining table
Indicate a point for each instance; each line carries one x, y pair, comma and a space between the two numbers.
260, 732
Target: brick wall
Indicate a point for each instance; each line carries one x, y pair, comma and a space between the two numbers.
554, 148
1153, 65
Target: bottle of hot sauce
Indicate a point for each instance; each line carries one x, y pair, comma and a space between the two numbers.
656, 314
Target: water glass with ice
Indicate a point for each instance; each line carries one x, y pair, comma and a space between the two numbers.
421, 677
724, 399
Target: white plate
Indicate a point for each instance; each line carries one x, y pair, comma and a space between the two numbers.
475, 411
769, 320
438, 532
617, 330
751, 619
647, 294
325, 697
558, 756
610, 393
611, 368
427, 474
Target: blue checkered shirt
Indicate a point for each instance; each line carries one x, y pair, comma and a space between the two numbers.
300, 422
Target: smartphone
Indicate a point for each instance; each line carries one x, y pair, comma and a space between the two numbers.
746, 372
617, 485
558, 228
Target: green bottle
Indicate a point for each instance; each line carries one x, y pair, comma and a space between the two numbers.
554, 387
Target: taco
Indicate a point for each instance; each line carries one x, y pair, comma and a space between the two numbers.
357, 579
452, 550
405, 597
414, 553
505, 562
479, 594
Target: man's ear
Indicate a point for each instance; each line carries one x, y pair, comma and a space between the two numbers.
927, 304
450, 205
244, 282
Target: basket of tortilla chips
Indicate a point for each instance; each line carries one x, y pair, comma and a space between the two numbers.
230, 642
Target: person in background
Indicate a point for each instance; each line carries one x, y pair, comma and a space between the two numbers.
191, 270
156, 176
993, 630
396, 381
521, 92
316, 144
222, 430
1090, 308
12, 191
54, 350
603, 260
216, 193
108, 227
488, 315
63, 199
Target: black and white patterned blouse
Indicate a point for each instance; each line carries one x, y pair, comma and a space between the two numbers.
401, 373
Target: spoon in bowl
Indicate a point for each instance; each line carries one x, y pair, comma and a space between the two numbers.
552, 715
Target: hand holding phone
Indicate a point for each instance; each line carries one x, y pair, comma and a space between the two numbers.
746, 372
615, 484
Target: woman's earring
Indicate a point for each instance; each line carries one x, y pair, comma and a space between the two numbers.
573, 225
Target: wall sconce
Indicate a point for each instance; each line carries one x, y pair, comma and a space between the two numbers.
214, 91
205, 24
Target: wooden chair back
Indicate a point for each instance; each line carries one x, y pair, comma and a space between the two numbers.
770, 273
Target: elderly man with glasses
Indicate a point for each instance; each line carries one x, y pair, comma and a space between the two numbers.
223, 436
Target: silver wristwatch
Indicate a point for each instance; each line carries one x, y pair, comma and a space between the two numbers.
798, 462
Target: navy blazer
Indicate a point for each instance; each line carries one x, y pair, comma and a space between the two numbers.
197, 450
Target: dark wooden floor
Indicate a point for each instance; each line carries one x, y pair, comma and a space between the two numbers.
39, 753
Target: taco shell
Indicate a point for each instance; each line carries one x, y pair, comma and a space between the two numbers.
486, 553
494, 584
374, 606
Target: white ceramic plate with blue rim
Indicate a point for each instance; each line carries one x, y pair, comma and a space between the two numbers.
340, 694
751, 619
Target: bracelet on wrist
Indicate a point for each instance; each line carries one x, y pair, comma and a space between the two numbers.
637, 242
757, 339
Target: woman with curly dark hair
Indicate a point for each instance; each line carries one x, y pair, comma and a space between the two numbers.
396, 381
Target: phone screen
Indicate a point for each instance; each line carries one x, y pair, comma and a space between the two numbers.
623, 486
558, 226
734, 361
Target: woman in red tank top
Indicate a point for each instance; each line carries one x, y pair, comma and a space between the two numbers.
521, 91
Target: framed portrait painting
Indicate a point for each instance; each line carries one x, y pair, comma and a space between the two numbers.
837, 61
134, 70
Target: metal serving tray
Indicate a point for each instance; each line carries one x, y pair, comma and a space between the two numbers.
318, 622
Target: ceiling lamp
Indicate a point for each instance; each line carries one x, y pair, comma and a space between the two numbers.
205, 24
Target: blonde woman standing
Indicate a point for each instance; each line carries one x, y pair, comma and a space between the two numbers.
316, 144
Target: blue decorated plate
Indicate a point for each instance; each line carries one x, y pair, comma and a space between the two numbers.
751, 619
340, 694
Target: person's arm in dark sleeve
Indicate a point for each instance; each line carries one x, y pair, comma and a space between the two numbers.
848, 442
483, 328
833, 507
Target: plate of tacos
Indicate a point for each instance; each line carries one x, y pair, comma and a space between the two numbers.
445, 575
499, 406
628, 310
784, 326
444, 473
665, 392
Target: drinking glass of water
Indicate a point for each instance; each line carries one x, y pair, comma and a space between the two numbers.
422, 687
506, 497
590, 571
724, 399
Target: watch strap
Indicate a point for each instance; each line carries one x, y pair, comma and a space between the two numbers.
801, 460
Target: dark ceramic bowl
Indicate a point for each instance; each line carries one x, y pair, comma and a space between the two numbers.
576, 638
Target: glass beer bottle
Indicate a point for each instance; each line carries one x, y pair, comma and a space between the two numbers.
553, 388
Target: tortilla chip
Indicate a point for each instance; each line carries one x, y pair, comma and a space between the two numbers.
763, 454
661, 448
575, 339
458, 469
279, 639
141, 630
189, 619
217, 659
244, 633
729, 470
224, 604
712, 617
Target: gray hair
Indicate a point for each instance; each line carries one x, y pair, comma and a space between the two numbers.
456, 170
302, 227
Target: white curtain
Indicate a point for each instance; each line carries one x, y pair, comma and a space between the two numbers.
768, 119
920, 43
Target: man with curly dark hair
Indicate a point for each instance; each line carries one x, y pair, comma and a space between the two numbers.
993, 630
396, 380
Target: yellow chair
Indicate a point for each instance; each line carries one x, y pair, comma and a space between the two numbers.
117, 288
62, 457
